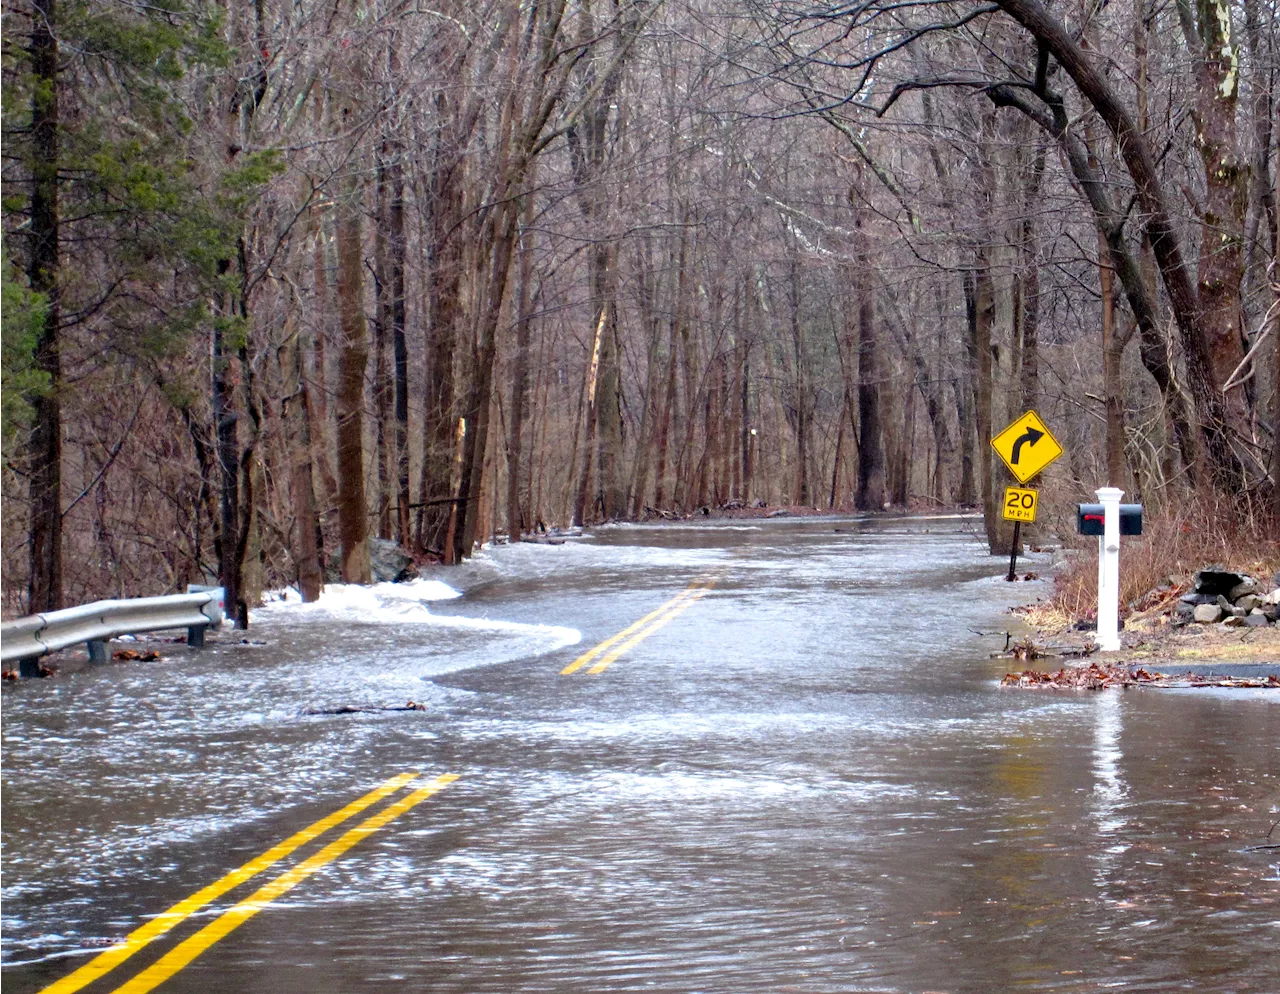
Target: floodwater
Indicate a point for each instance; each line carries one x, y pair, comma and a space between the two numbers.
808, 780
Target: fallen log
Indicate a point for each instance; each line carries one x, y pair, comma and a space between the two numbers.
365, 709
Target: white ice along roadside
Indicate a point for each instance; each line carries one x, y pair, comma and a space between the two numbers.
398, 604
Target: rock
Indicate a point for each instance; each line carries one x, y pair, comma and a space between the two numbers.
1246, 586
1233, 622
1215, 581
1194, 598
1184, 609
387, 561
759, 502
1270, 611
1207, 613
1223, 603
1274, 596
1248, 602
1256, 621
781, 512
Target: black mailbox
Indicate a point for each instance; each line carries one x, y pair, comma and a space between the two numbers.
1089, 519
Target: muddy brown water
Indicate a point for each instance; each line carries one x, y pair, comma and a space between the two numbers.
809, 780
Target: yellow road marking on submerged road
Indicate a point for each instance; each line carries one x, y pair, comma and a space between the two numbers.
166, 920
235, 916
638, 631
591, 654
611, 657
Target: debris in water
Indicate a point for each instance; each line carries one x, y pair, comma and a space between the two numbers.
1100, 677
134, 655
1024, 650
366, 709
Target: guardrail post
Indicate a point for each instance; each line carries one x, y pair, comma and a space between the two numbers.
97, 651
29, 668
195, 636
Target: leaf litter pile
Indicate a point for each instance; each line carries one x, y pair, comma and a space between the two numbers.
1100, 676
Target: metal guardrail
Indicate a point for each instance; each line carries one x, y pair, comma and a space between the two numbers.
32, 637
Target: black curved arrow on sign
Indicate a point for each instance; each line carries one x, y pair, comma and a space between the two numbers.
1028, 437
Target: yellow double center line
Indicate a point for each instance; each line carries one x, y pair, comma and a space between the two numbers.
238, 914
608, 651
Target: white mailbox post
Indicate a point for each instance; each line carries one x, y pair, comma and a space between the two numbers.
1109, 570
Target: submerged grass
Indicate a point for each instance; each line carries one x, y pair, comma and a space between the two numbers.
1177, 540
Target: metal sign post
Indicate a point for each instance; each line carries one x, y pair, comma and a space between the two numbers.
1026, 446
1019, 506
1109, 570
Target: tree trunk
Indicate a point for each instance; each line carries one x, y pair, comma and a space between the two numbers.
225, 420
609, 420
1030, 322
1112, 353
802, 406
480, 394
589, 423
664, 425
353, 524
384, 468
647, 284
981, 311
444, 290
399, 346
1226, 195
870, 492
520, 374
43, 272
306, 548
964, 387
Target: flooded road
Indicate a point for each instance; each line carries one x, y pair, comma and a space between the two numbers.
806, 778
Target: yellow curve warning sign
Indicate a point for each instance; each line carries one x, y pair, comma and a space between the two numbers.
1027, 446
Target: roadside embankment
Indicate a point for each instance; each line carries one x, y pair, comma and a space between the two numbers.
1200, 597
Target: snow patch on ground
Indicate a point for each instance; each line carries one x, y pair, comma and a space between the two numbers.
338, 597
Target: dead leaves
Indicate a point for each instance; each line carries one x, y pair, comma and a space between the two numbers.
1100, 677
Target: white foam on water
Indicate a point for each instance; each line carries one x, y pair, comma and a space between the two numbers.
399, 604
